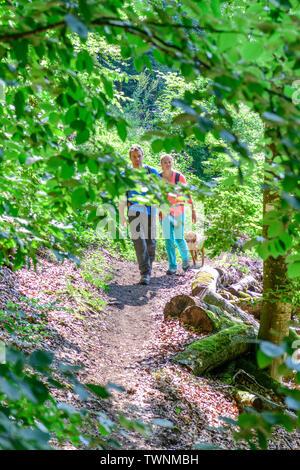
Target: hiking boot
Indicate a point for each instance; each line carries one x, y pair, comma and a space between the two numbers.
186, 265
170, 272
145, 280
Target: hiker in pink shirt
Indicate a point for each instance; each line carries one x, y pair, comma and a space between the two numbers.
172, 221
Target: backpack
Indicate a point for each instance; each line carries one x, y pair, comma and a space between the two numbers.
177, 176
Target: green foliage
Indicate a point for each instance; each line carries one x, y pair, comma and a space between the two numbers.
73, 100
94, 269
256, 428
31, 328
30, 418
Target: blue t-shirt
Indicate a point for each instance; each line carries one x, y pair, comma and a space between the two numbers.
135, 206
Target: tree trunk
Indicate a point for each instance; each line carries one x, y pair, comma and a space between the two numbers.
276, 309
210, 352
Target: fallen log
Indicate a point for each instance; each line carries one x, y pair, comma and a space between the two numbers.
176, 305
252, 306
270, 405
206, 318
212, 298
206, 279
261, 377
242, 285
247, 399
208, 353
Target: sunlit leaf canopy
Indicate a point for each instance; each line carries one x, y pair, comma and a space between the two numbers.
54, 92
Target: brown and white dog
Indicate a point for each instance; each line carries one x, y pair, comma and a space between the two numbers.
195, 245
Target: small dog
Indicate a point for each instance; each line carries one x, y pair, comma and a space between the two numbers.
195, 245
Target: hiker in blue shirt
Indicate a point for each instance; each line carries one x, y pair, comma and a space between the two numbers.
142, 220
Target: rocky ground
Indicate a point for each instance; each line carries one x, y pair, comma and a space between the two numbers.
122, 338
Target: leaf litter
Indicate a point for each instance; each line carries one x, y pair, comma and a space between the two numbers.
127, 342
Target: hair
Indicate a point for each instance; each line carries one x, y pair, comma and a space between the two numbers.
166, 155
136, 147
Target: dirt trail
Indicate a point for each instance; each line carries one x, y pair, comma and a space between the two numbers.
129, 344
135, 313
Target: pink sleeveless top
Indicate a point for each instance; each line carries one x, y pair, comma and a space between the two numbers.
178, 200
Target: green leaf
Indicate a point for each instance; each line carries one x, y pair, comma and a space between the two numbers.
9, 389
84, 61
294, 270
273, 117
20, 49
122, 130
19, 102
286, 239
138, 63
85, 10
226, 41
271, 350
293, 403
79, 197
78, 124
157, 145
82, 136
40, 359
215, 6
76, 25
275, 229
251, 51
262, 359
247, 421
108, 87
99, 391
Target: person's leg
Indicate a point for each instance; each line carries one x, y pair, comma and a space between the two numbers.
151, 239
137, 230
168, 232
180, 241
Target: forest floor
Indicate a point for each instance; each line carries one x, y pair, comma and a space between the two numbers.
120, 336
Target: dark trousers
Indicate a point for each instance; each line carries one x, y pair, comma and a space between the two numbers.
143, 234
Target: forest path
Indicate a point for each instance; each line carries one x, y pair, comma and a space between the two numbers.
128, 343
134, 317
136, 347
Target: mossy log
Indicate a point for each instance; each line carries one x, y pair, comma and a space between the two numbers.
212, 298
208, 353
177, 304
206, 319
242, 285
206, 279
